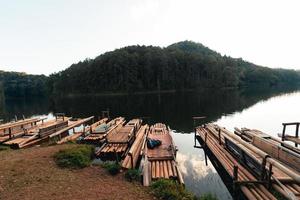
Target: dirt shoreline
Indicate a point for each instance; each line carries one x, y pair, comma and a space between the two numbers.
32, 174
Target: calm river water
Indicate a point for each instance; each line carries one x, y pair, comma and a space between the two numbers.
263, 109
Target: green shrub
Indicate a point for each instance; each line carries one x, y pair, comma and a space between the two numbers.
208, 197
132, 175
4, 148
75, 157
112, 167
170, 190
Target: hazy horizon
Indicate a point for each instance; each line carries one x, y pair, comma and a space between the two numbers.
47, 37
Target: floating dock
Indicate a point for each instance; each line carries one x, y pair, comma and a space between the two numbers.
252, 170
160, 162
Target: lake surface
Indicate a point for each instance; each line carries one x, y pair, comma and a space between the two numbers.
259, 108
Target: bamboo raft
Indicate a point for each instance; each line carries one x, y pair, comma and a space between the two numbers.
119, 140
136, 150
14, 129
159, 162
252, 170
283, 152
99, 130
52, 130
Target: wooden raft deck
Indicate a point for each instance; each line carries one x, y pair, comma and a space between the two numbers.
160, 161
136, 150
15, 129
100, 129
283, 152
252, 170
119, 140
51, 131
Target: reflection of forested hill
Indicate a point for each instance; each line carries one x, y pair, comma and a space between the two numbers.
175, 109
23, 106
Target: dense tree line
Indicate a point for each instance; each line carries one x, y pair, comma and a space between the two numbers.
15, 84
183, 65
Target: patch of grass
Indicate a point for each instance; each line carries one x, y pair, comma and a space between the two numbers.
112, 167
170, 190
132, 175
4, 148
76, 157
207, 197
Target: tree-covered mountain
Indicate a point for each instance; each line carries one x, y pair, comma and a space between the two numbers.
183, 65
15, 84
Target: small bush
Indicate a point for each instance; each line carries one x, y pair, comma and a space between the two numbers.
4, 148
170, 190
112, 167
208, 197
132, 175
76, 157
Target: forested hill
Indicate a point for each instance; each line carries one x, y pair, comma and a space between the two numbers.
16, 84
183, 65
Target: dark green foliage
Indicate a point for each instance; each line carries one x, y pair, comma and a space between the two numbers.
4, 148
112, 167
184, 65
79, 156
207, 197
170, 190
132, 175
15, 84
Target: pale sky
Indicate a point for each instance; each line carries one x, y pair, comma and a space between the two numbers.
46, 36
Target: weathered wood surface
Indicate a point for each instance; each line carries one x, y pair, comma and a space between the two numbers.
71, 126
52, 128
166, 149
119, 140
133, 155
99, 137
215, 137
160, 160
294, 139
19, 123
125, 133
277, 149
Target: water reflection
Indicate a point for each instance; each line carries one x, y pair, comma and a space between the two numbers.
259, 108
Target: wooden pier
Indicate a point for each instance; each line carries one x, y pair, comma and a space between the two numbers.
252, 170
160, 162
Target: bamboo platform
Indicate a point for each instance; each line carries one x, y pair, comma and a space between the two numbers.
99, 130
119, 141
135, 152
52, 130
15, 129
253, 171
160, 161
283, 152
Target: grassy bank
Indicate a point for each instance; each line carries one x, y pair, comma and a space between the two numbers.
34, 174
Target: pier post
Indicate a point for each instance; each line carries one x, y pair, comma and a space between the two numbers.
283, 132
235, 179
297, 134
